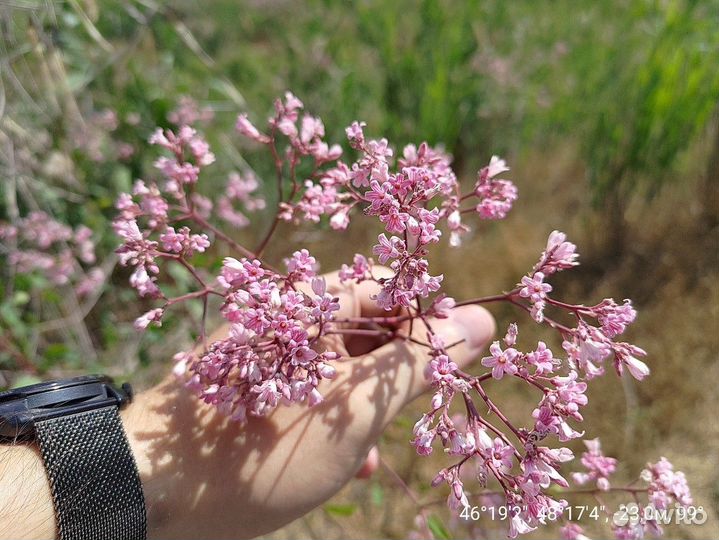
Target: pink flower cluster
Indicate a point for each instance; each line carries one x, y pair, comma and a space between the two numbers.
399, 198
587, 346
495, 195
149, 219
558, 255
305, 135
524, 472
666, 485
188, 112
523, 469
97, 137
598, 466
189, 151
39, 243
240, 189
273, 353
268, 358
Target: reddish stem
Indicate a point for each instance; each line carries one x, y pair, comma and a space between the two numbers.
259, 250
487, 299
550, 322
478, 386
190, 296
202, 222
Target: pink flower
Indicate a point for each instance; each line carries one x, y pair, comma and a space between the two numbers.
152, 205
570, 393
237, 273
572, 531
360, 270
379, 196
454, 222
394, 221
144, 283
177, 171
537, 311
542, 359
301, 266
340, 220
558, 255
302, 355
355, 134
543, 464
495, 196
457, 499
388, 248
599, 467
518, 524
666, 485
171, 241
496, 166
246, 128
323, 153
324, 304
423, 435
201, 151
291, 105
312, 128
198, 243
588, 347
442, 306
534, 288
500, 455
501, 362
625, 354
442, 369
183, 242
135, 250
510, 339
152, 316
614, 318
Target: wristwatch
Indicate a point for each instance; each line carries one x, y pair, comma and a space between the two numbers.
93, 476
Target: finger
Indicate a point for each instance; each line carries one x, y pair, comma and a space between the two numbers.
385, 380
356, 300
370, 465
465, 333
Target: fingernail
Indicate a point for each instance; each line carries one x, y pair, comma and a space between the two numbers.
476, 323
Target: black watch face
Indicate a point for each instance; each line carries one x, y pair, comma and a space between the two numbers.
20, 408
36, 388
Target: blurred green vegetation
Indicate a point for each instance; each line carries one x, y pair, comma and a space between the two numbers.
630, 86
618, 98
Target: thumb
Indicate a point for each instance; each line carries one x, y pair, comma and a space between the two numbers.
466, 331
393, 375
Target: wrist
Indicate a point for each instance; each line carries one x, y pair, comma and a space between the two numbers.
182, 474
26, 508
146, 422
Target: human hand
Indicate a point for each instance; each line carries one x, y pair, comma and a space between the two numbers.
205, 476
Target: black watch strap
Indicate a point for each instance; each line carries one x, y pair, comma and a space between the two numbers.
93, 477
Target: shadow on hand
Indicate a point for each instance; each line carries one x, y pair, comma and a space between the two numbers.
211, 477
